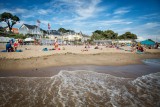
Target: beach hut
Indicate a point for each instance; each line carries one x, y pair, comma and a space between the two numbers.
148, 42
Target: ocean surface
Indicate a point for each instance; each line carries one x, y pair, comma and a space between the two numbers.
86, 87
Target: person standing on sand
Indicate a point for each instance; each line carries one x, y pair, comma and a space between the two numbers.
55, 43
15, 45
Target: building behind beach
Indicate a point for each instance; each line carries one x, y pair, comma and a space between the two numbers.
117, 41
51, 34
14, 30
30, 29
68, 37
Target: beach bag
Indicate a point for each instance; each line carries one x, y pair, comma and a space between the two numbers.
45, 49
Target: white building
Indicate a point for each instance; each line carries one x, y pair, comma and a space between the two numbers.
30, 29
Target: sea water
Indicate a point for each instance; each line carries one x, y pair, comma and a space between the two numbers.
152, 61
80, 88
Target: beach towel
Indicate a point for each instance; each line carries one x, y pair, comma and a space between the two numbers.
19, 50
15, 51
139, 52
3, 51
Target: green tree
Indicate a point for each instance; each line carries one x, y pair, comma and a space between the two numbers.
109, 34
97, 36
99, 32
9, 19
63, 30
100, 35
128, 35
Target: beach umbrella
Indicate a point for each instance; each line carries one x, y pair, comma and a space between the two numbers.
147, 42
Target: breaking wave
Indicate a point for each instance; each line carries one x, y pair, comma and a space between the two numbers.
152, 61
80, 89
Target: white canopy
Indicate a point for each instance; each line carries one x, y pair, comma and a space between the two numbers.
28, 39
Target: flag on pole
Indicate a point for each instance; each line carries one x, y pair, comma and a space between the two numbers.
38, 23
49, 26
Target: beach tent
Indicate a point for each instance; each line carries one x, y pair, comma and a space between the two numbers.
148, 42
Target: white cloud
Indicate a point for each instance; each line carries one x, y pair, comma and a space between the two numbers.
118, 21
140, 38
122, 10
28, 16
156, 38
80, 9
88, 11
5, 10
152, 24
14, 11
150, 16
44, 11
45, 22
20, 10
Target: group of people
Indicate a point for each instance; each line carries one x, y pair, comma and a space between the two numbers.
87, 46
10, 48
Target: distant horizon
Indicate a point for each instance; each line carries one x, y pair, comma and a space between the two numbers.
141, 18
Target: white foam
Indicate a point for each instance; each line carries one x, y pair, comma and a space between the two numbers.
81, 88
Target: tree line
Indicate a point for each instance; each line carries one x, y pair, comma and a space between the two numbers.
109, 34
63, 30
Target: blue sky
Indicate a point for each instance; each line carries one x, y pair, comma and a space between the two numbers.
141, 17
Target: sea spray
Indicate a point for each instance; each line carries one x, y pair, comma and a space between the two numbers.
80, 88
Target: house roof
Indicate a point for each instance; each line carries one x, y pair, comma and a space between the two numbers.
30, 26
54, 32
15, 29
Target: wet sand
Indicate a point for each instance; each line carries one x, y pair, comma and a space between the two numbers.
126, 71
120, 65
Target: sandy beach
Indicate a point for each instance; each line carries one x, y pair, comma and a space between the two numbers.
35, 59
30, 51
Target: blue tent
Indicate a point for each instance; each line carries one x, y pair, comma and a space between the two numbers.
147, 42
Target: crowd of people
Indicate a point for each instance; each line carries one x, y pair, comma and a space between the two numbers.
12, 46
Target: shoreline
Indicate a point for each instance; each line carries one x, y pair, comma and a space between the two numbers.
51, 65
71, 59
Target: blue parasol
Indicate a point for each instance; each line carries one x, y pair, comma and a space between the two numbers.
147, 42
